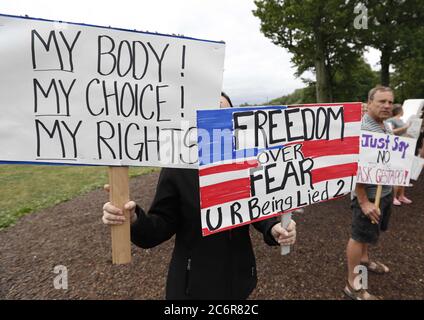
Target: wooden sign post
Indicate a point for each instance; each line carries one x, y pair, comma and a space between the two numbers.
119, 196
378, 197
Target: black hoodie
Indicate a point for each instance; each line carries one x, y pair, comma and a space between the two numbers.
218, 266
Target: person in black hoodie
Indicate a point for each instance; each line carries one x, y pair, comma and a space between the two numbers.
219, 266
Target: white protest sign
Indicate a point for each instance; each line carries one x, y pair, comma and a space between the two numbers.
414, 128
82, 94
417, 167
259, 162
385, 159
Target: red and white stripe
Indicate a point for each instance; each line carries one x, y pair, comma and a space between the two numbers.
333, 159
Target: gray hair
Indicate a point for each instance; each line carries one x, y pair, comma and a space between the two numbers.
373, 91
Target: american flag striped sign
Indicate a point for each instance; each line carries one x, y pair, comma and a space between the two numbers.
259, 162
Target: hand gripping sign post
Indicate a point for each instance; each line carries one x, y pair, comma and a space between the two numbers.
88, 95
385, 159
119, 196
260, 162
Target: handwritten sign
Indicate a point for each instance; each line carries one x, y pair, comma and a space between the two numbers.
256, 163
385, 159
82, 94
417, 167
414, 128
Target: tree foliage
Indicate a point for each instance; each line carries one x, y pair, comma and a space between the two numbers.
408, 78
353, 80
318, 33
299, 96
393, 27
322, 38
351, 84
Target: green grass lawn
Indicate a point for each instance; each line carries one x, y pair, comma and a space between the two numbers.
28, 188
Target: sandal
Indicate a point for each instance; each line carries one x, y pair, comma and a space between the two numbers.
360, 294
376, 267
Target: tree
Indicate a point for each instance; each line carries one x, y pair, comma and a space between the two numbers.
299, 96
408, 79
350, 84
353, 80
392, 28
246, 104
318, 33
